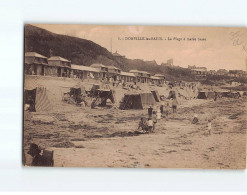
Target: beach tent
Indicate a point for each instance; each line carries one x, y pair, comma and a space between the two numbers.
93, 91
76, 92
37, 99
234, 94
156, 96
137, 101
230, 94
202, 95
206, 95
223, 93
241, 93
104, 95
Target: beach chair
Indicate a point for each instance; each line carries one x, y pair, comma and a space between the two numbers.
48, 158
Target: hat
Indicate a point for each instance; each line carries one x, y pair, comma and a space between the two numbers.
34, 149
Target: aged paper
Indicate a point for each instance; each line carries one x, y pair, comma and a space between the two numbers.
134, 96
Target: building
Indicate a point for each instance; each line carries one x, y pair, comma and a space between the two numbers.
222, 72
35, 64
212, 72
161, 78
141, 76
156, 80
199, 73
60, 66
113, 72
127, 77
102, 68
84, 72
237, 73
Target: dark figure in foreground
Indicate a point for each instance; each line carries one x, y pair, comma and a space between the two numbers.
44, 160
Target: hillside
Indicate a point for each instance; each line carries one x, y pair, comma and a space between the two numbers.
85, 52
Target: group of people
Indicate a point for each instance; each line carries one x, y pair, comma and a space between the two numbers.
154, 115
209, 123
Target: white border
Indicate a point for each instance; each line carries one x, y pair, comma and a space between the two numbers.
13, 15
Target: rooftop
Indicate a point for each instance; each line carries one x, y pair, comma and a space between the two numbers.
139, 71
113, 67
98, 65
34, 54
84, 68
127, 74
159, 75
57, 58
154, 77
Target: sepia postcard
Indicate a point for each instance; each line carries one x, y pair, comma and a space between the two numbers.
134, 96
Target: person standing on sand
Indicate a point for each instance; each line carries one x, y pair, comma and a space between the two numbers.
150, 111
155, 116
158, 115
162, 108
150, 125
174, 105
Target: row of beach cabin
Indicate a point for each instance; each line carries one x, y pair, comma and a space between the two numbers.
37, 64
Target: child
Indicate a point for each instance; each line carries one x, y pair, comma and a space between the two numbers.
154, 119
195, 119
143, 125
150, 125
209, 126
158, 115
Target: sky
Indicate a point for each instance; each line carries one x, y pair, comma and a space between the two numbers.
218, 47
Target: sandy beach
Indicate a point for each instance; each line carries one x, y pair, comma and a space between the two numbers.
108, 137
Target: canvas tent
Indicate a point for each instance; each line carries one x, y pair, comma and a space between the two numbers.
156, 96
76, 92
106, 94
233, 94
137, 101
102, 95
223, 93
206, 95
93, 91
37, 99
